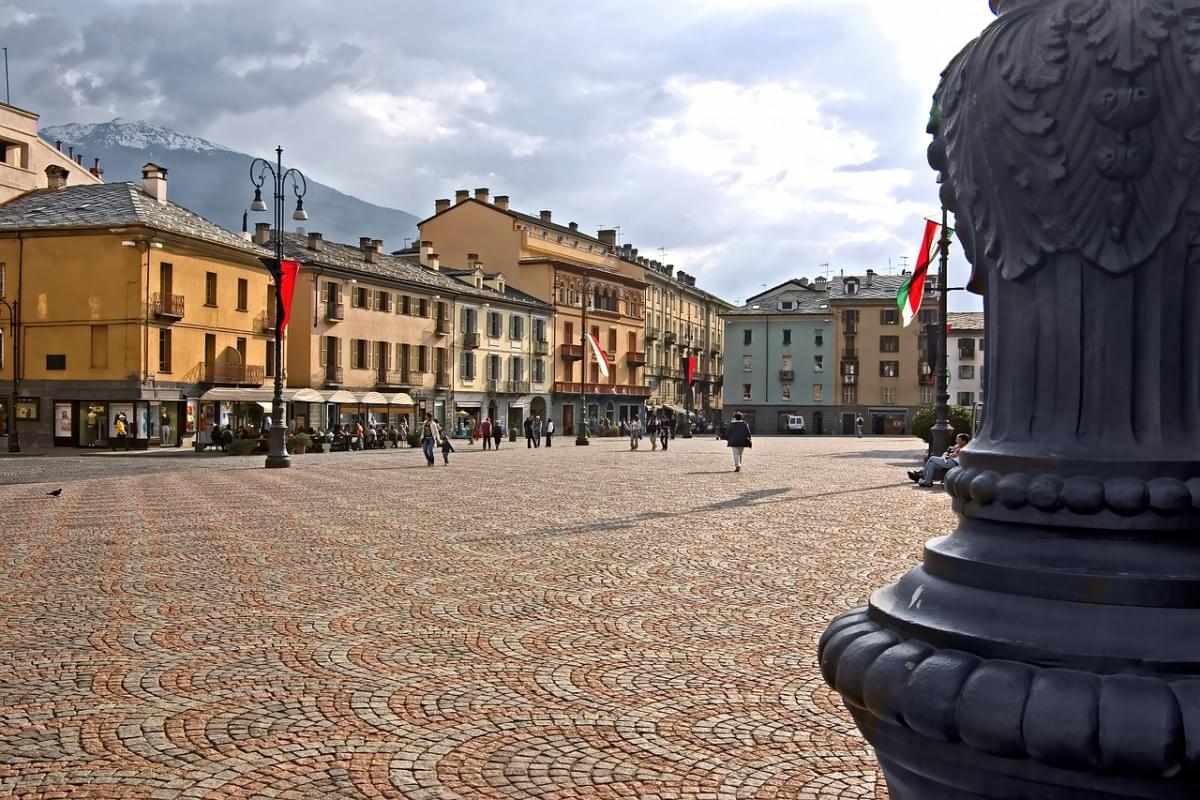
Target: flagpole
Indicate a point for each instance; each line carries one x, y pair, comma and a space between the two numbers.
942, 432
581, 437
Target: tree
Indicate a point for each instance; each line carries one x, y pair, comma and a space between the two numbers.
923, 420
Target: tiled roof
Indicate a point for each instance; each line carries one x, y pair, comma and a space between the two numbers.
965, 320
350, 258
112, 204
807, 301
873, 287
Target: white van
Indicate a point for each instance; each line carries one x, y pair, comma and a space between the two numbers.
795, 424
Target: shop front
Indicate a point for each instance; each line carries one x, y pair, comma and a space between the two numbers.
467, 406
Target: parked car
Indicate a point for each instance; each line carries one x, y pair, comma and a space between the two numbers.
795, 424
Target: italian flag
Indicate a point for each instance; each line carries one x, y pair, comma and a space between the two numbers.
601, 359
913, 290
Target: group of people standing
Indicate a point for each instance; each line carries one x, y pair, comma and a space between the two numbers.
660, 430
535, 430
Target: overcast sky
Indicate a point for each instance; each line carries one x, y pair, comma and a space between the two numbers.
752, 140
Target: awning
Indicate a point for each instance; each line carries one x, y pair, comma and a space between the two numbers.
304, 396
339, 396
674, 409
267, 407
234, 395
401, 399
372, 399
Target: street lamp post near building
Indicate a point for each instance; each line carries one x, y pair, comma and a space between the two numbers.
687, 387
581, 437
942, 431
277, 455
14, 321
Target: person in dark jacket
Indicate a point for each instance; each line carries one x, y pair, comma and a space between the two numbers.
737, 436
529, 433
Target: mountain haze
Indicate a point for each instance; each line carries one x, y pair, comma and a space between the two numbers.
214, 181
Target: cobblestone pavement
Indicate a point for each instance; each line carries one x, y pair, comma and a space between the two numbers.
550, 624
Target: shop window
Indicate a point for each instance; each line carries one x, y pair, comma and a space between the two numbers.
56, 362
243, 294
27, 409
164, 350
210, 288
99, 347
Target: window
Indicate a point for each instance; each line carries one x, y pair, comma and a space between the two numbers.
362, 297
966, 399
966, 372
747, 363
495, 324
851, 287
1, 359
889, 395
2, 271
928, 315
787, 391
539, 330
516, 369
787, 335
243, 294
787, 305
787, 364
745, 391
818, 392
926, 395
423, 307
385, 302
358, 354
516, 328
747, 336
889, 344
164, 349
818, 363
467, 366
889, 316
850, 321
539, 369
849, 395
99, 347
269, 359
56, 362
493, 368
423, 359
210, 288
889, 369
406, 305
819, 338
470, 322
966, 349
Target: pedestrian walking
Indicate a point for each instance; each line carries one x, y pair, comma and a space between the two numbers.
431, 433
498, 432
537, 431
485, 433
738, 437
529, 433
403, 432
665, 431
635, 433
121, 432
858, 426
549, 430
652, 431
471, 430
447, 449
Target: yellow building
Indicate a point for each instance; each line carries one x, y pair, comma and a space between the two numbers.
129, 307
28, 163
581, 276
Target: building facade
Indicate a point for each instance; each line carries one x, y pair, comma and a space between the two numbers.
779, 363
131, 308
964, 357
27, 163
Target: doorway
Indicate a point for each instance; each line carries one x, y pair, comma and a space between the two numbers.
818, 423
848, 424
568, 419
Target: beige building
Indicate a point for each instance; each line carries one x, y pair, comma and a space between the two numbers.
28, 163
883, 374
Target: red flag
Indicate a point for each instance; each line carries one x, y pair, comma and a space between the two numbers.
691, 368
288, 272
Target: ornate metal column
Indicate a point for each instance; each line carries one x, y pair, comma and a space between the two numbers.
1050, 647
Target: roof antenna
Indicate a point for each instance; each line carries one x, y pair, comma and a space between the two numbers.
7, 94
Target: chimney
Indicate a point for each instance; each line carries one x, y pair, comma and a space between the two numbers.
56, 177
364, 243
461, 196
377, 244
433, 262
424, 248
58, 145
573, 226
79, 159
633, 252
804, 282
262, 232
482, 194
71, 152
154, 181
316, 242
502, 202
440, 205
96, 169
870, 277
545, 215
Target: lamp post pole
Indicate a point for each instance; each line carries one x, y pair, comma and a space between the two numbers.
941, 432
277, 455
581, 438
687, 385
14, 320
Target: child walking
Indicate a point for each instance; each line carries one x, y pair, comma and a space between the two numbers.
447, 449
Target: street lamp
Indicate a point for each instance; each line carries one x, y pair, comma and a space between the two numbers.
687, 385
581, 438
14, 319
939, 440
277, 455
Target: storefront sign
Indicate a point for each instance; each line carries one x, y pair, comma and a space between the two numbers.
27, 408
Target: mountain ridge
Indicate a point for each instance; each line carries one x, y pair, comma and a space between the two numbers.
214, 181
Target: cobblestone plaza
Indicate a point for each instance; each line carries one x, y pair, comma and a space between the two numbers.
552, 624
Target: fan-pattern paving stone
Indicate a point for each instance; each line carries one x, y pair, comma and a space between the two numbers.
555, 624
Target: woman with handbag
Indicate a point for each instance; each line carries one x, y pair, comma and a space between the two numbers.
738, 437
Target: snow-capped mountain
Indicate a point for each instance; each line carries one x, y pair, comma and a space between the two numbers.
214, 181
122, 132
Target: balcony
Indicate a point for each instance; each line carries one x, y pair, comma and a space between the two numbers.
471, 340
602, 389
850, 328
669, 337
167, 306
635, 358
334, 377
850, 354
787, 375
927, 380
652, 333
572, 352
222, 374
392, 379
335, 312
442, 381
492, 386
443, 326
966, 355
541, 347
519, 387
265, 322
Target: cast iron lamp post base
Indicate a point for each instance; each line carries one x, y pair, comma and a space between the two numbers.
278, 456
